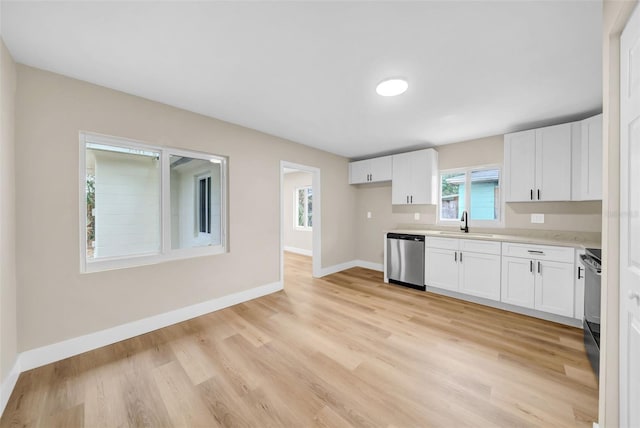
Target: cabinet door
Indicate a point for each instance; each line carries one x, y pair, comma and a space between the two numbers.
424, 178
553, 163
591, 159
480, 275
554, 287
519, 164
518, 282
358, 172
380, 168
401, 179
443, 268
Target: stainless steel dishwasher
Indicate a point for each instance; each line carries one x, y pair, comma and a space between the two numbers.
405, 260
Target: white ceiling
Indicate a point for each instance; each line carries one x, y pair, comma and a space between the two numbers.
307, 71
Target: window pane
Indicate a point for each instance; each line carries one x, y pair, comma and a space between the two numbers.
452, 199
485, 194
123, 201
195, 194
309, 207
300, 199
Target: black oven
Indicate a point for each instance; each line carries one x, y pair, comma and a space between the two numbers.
592, 262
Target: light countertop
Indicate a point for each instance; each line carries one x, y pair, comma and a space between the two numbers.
578, 240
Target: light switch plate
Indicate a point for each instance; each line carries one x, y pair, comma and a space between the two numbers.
416, 216
368, 214
537, 218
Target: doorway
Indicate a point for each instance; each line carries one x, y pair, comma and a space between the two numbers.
300, 213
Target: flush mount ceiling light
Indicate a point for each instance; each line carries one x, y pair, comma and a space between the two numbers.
392, 87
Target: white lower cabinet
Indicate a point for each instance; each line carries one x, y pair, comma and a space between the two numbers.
443, 268
453, 268
480, 275
538, 277
543, 285
518, 282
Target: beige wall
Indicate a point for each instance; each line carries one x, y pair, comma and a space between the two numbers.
8, 331
559, 216
56, 302
615, 15
293, 237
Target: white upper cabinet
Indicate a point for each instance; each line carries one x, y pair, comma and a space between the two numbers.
538, 164
553, 163
370, 170
415, 178
520, 165
587, 159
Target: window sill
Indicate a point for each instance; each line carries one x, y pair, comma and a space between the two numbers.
106, 264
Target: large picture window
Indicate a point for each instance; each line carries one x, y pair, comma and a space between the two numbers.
143, 204
475, 190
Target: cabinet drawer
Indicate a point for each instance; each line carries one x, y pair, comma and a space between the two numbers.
539, 252
475, 246
443, 243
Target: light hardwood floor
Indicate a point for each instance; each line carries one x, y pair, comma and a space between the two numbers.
345, 350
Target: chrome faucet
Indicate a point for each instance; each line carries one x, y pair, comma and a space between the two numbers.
464, 225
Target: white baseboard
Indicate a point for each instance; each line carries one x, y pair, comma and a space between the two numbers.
301, 251
8, 384
351, 264
370, 265
68, 348
37, 357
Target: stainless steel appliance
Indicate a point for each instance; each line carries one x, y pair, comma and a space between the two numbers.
592, 262
405, 260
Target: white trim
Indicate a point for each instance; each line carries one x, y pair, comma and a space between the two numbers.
300, 251
8, 384
337, 268
316, 215
78, 345
370, 265
351, 264
48, 354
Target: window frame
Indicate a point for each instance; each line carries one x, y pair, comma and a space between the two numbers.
165, 253
306, 226
499, 223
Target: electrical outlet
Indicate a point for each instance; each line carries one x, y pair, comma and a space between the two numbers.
416, 216
368, 214
537, 218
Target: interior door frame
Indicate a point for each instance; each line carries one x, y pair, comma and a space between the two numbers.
316, 215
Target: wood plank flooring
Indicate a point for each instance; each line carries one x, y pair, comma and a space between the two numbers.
345, 350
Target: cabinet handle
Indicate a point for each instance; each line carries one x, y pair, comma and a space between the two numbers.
460, 256
535, 252
580, 272
531, 266
411, 198
455, 256
531, 194
538, 194
370, 177
407, 198
539, 268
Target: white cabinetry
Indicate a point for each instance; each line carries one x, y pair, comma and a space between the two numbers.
467, 266
587, 159
370, 170
538, 164
539, 277
415, 178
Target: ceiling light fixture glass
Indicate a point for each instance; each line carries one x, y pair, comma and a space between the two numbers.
392, 87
